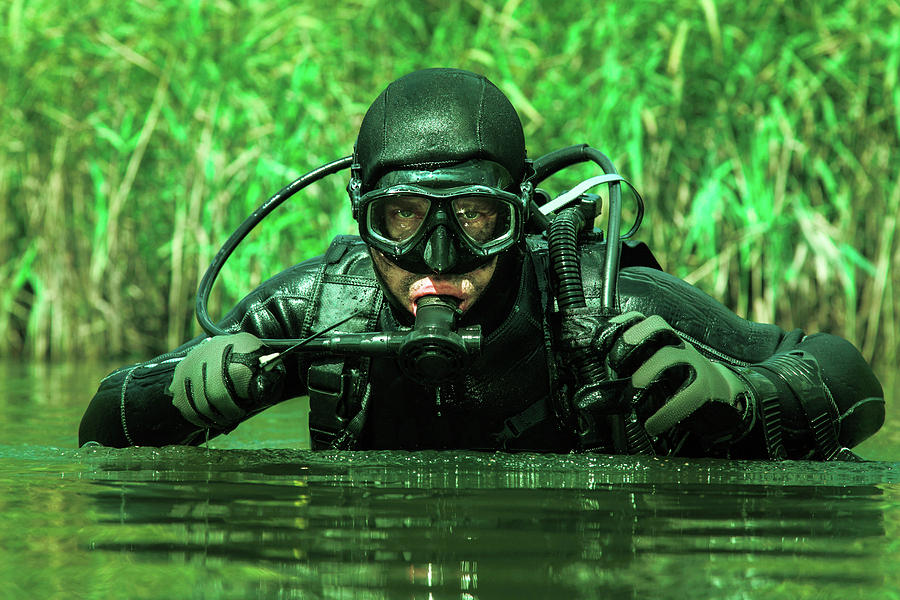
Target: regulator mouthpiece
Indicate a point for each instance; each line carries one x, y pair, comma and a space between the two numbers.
434, 351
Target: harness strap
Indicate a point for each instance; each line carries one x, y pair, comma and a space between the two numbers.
517, 425
338, 386
327, 386
799, 371
348, 437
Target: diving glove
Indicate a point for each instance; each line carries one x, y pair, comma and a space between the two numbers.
673, 390
220, 382
783, 399
675, 386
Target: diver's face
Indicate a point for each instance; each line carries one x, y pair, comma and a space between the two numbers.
408, 287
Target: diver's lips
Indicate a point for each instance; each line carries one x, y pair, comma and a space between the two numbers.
429, 287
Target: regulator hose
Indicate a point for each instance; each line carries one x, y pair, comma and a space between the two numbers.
241, 232
565, 157
626, 435
562, 242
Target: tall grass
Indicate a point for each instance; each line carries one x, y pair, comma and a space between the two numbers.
136, 136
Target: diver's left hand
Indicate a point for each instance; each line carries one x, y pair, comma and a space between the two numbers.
674, 384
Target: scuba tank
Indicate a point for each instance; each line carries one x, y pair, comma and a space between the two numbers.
435, 348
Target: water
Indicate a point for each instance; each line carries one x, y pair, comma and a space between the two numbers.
238, 521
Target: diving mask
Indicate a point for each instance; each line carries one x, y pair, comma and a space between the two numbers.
454, 230
432, 222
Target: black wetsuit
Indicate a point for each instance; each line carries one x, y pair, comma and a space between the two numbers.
504, 400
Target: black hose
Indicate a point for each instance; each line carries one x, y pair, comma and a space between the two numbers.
555, 161
241, 232
549, 164
614, 225
562, 242
627, 435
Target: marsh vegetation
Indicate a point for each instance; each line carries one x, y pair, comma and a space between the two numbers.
136, 136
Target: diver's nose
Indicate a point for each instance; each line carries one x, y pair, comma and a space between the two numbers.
440, 254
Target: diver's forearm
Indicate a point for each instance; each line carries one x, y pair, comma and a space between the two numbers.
131, 408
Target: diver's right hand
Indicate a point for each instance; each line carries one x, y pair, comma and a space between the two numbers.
220, 381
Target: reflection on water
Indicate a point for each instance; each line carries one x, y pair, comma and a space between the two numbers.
287, 523
188, 522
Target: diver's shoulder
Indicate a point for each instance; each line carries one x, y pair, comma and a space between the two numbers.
346, 257
279, 307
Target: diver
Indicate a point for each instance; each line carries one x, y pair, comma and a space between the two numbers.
450, 235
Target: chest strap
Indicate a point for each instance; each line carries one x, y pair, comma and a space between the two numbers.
517, 425
338, 386
336, 391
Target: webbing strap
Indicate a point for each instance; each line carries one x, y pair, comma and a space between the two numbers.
338, 387
800, 372
515, 426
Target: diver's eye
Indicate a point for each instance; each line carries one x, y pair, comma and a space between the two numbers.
405, 213
470, 214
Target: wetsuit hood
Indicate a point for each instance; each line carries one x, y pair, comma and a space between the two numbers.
435, 118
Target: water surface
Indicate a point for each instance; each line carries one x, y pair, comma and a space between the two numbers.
256, 515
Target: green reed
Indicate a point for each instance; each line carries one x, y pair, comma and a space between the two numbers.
137, 137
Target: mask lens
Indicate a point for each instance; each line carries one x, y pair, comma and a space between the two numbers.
479, 221
397, 218
483, 219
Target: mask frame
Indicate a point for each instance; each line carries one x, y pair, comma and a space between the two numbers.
440, 243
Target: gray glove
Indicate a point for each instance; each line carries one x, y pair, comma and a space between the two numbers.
220, 381
676, 385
